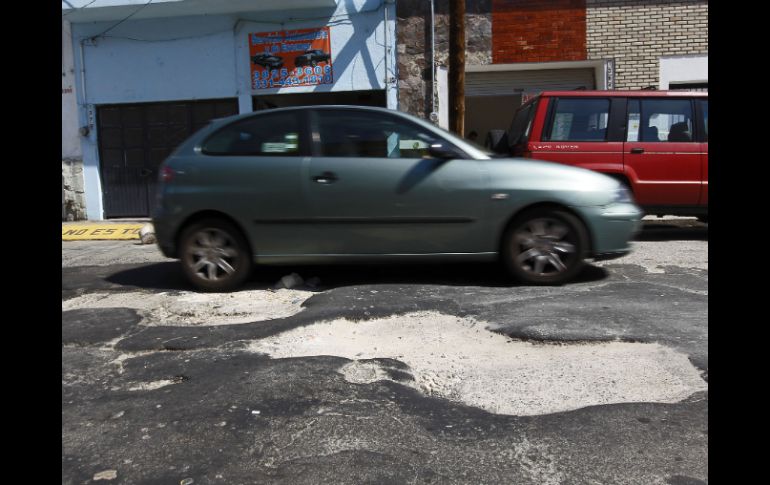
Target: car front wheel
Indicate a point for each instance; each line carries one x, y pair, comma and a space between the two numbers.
214, 255
545, 247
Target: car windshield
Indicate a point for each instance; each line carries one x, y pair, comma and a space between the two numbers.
475, 150
480, 148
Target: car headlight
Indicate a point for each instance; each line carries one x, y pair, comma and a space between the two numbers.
622, 194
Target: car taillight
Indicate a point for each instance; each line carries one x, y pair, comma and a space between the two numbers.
166, 174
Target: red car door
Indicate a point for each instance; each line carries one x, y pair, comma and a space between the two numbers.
578, 132
660, 155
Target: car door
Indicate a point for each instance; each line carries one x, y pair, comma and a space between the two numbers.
703, 105
374, 190
660, 153
253, 173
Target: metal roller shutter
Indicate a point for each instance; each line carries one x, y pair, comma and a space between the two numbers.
500, 83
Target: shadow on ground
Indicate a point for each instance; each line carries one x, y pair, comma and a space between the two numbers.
169, 276
678, 230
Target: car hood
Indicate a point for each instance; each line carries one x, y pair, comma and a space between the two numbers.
574, 185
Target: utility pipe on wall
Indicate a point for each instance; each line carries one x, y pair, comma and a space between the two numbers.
433, 59
457, 66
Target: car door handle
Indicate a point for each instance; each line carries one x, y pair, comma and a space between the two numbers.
326, 178
637, 150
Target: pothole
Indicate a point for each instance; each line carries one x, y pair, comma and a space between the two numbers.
459, 359
193, 309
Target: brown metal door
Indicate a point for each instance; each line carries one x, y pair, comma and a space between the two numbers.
134, 139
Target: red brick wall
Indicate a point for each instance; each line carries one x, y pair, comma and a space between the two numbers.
538, 31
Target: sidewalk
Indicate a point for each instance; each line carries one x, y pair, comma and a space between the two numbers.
106, 230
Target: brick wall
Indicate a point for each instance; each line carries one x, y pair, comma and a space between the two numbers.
636, 33
538, 31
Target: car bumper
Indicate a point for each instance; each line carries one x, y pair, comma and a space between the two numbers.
612, 229
164, 234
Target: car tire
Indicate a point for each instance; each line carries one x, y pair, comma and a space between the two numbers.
215, 256
545, 246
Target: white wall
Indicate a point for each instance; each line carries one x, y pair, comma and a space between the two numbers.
70, 142
683, 69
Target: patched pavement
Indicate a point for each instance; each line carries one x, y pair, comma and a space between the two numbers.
163, 404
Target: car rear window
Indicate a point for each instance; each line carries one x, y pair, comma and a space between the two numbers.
266, 135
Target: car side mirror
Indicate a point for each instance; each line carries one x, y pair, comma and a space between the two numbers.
441, 151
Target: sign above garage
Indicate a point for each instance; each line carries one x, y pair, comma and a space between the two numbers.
290, 58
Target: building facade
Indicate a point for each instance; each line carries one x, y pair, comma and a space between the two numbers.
517, 48
138, 77
73, 193
147, 75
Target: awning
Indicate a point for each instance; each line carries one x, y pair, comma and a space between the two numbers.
105, 10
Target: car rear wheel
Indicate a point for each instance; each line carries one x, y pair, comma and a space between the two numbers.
214, 255
545, 247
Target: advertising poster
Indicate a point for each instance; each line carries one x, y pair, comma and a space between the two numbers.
290, 58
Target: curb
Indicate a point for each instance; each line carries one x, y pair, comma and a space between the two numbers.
107, 231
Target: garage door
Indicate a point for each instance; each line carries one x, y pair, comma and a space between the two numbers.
500, 83
492, 97
134, 139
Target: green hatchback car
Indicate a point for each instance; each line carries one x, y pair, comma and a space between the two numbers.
330, 184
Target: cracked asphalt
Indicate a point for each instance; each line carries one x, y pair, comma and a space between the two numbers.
169, 404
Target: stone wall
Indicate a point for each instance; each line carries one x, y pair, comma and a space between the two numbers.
637, 33
74, 200
413, 31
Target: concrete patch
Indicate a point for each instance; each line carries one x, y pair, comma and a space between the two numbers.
195, 309
106, 475
459, 359
151, 386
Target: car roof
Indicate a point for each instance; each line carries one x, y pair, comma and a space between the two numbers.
636, 93
319, 106
232, 118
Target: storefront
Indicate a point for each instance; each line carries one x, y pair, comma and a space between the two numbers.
147, 75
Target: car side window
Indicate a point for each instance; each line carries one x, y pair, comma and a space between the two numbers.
272, 135
348, 133
704, 106
660, 120
579, 120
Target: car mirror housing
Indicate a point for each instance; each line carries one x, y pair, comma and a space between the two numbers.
441, 151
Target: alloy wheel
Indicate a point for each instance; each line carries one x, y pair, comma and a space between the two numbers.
212, 255
544, 247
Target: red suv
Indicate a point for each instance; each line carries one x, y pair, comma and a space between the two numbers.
656, 142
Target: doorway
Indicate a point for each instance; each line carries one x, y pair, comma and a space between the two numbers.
134, 139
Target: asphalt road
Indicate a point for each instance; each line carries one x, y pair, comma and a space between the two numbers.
388, 374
